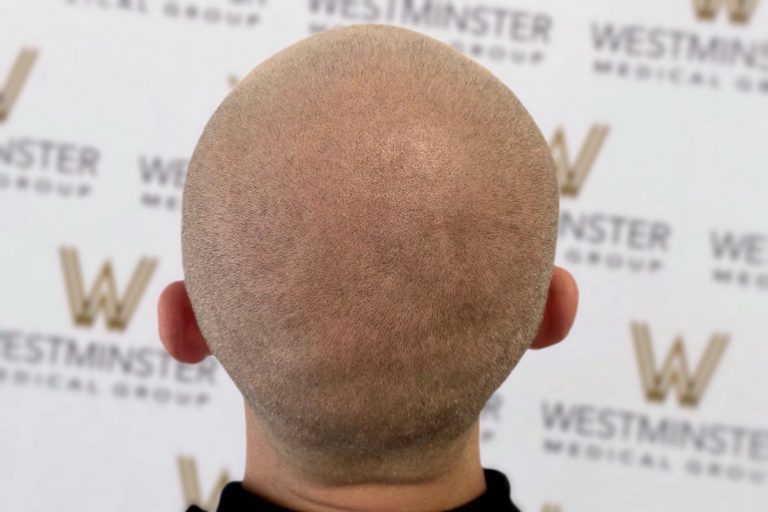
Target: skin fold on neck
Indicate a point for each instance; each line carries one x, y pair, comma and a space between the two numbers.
448, 481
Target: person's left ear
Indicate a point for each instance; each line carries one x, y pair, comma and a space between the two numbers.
178, 328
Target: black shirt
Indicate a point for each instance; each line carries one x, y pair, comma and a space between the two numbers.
234, 498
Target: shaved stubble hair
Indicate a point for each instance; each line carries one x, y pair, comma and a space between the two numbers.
369, 225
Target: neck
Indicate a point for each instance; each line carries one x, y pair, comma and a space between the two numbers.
445, 484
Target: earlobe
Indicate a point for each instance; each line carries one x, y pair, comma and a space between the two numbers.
560, 310
178, 327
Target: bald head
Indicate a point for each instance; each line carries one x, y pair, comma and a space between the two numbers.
369, 226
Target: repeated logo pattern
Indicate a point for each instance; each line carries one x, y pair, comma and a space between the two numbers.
675, 372
15, 80
573, 174
103, 296
738, 11
190, 484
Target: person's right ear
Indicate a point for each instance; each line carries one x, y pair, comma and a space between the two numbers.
560, 311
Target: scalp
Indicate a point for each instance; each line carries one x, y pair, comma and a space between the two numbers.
369, 225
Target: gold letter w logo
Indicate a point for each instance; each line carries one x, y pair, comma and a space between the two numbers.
15, 81
190, 484
739, 11
573, 175
103, 295
675, 370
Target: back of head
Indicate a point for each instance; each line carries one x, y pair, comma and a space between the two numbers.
369, 226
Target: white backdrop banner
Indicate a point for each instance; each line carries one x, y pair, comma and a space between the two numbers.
656, 112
